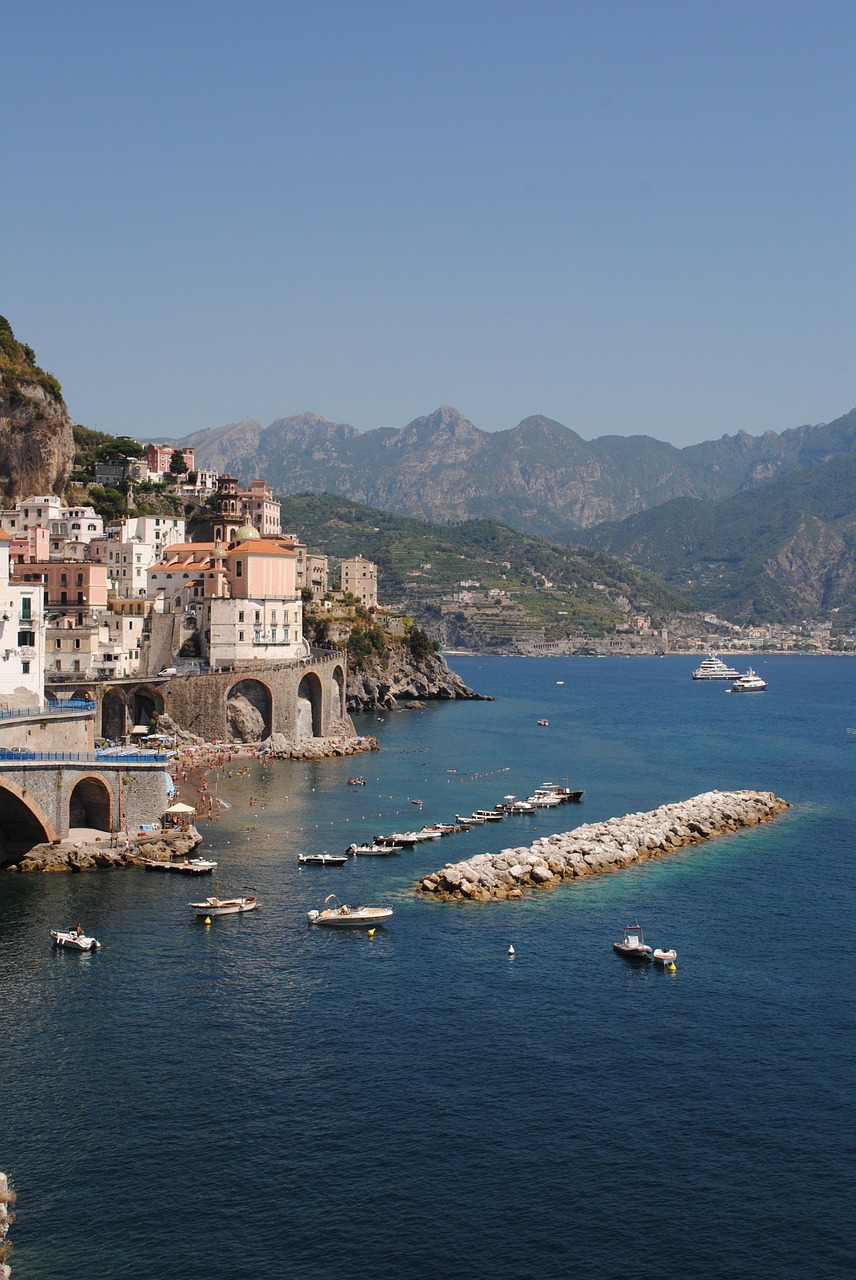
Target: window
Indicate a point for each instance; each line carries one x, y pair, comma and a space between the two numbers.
27, 637
77, 643
258, 615
63, 597
240, 635
257, 636
63, 578
26, 608
273, 615
239, 568
273, 634
57, 644
241, 615
25, 668
80, 579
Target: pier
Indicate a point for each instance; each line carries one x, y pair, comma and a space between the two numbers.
601, 846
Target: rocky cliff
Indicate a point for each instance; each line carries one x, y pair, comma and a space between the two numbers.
387, 680
36, 442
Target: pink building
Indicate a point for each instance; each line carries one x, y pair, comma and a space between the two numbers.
159, 457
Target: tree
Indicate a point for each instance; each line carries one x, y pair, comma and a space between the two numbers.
177, 464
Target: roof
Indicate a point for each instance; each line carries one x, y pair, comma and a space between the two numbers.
263, 547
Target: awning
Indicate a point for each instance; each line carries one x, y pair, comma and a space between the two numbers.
180, 807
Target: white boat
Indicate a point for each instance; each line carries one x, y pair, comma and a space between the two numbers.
373, 850
713, 668
489, 815
338, 915
217, 906
472, 821
664, 957
749, 682
74, 940
189, 867
545, 799
632, 946
322, 859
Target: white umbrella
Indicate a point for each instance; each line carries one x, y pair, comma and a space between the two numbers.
180, 807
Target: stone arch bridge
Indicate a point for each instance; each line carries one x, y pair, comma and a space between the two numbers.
247, 703
44, 795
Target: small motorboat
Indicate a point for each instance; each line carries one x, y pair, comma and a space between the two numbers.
217, 906
338, 915
489, 815
632, 946
74, 940
356, 782
322, 859
544, 723
193, 867
472, 821
372, 850
664, 957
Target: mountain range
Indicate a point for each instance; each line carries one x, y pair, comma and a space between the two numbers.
540, 477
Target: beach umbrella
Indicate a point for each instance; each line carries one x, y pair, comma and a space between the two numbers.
180, 807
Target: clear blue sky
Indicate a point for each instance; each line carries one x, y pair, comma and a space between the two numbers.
632, 216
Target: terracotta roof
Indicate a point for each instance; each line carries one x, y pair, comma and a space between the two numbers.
263, 547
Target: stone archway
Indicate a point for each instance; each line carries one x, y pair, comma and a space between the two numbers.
22, 824
339, 688
114, 715
144, 704
249, 711
309, 705
90, 805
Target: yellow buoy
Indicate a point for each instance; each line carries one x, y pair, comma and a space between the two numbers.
207, 919
370, 933
672, 967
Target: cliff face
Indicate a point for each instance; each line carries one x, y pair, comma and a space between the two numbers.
36, 441
383, 681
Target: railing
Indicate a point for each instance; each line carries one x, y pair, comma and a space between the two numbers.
48, 709
9, 755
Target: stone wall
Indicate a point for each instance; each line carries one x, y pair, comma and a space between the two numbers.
66, 731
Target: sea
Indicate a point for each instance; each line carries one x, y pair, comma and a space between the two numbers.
260, 1098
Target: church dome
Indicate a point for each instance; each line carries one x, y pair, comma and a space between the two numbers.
246, 533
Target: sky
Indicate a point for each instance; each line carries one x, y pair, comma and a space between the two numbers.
631, 216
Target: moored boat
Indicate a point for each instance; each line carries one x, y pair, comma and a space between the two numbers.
322, 859
339, 915
664, 957
217, 906
713, 668
749, 682
373, 850
632, 946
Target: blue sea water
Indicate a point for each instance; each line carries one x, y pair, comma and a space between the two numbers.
262, 1099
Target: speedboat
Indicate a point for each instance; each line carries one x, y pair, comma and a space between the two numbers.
749, 682
323, 859
74, 940
632, 946
714, 668
217, 906
664, 957
372, 850
338, 915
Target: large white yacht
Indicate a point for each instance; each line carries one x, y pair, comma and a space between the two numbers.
714, 668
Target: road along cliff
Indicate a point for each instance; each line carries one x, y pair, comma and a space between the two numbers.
601, 846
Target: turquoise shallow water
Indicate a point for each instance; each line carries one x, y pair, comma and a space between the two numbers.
261, 1099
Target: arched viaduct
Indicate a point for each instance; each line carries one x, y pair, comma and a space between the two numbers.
303, 699
42, 797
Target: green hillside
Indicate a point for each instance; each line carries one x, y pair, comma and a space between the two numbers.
539, 589
782, 553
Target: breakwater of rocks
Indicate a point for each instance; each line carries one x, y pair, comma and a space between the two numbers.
601, 846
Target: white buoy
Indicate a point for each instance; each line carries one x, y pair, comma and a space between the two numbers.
511, 951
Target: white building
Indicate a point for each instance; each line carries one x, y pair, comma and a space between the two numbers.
70, 528
130, 547
359, 578
22, 653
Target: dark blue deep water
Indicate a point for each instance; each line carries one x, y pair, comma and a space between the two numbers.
260, 1099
